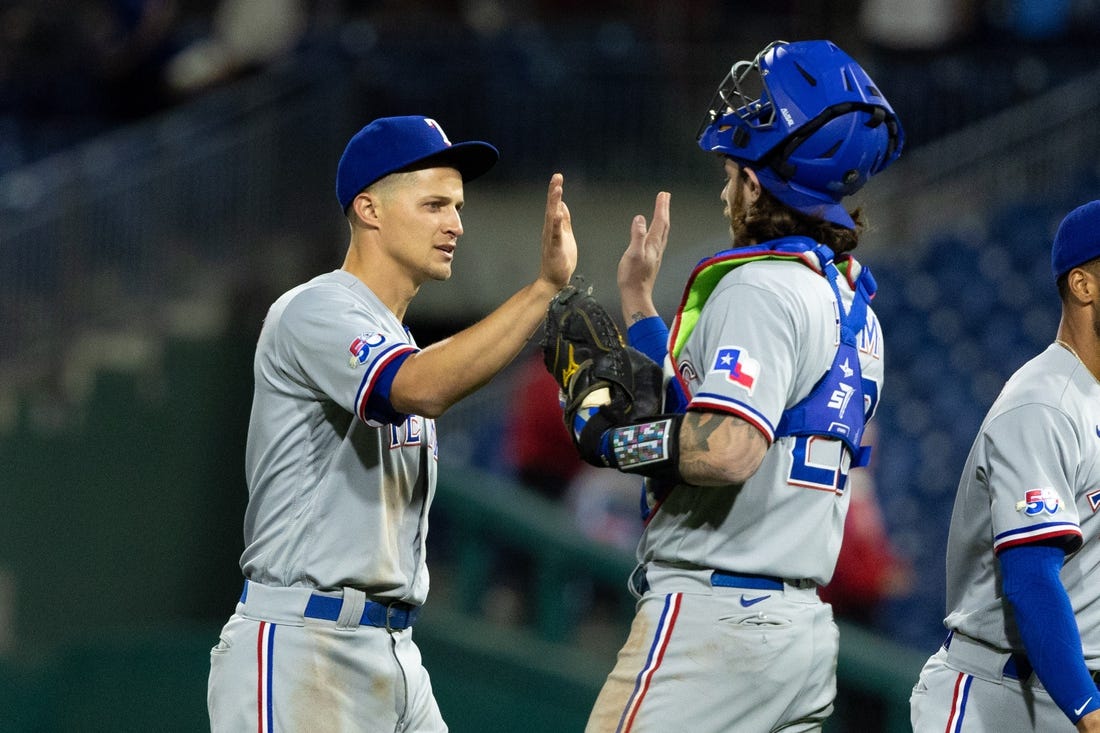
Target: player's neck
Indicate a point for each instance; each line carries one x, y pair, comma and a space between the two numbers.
394, 290
1082, 341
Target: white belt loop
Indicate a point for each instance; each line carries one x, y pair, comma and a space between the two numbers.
351, 610
277, 605
803, 589
976, 658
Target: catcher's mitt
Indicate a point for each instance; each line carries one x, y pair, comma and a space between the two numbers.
585, 353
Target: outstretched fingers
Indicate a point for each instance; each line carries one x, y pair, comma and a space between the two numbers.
648, 242
554, 195
559, 247
641, 261
657, 236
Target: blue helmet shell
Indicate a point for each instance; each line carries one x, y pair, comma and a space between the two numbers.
811, 115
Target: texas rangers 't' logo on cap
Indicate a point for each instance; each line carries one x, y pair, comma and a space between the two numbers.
740, 368
436, 126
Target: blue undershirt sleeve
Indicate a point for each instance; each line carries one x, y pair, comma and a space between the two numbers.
1044, 617
649, 336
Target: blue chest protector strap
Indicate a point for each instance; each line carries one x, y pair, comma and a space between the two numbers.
837, 406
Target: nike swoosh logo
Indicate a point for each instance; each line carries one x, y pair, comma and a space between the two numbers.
746, 602
1077, 711
1098, 431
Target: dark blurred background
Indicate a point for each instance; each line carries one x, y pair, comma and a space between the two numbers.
167, 170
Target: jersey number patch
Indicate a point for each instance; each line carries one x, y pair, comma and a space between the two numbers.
819, 463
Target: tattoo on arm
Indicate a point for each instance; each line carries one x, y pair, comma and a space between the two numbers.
705, 454
637, 316
697, 432
695, 435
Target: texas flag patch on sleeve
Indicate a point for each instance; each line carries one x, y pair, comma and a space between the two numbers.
738, 367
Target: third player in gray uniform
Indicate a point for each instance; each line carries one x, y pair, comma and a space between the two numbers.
777, 360
1023, 600
341, 454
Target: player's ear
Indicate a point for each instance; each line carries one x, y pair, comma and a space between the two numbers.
752, 183
1084, 282
364, 207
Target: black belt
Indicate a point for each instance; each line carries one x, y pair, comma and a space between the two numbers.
1018, 667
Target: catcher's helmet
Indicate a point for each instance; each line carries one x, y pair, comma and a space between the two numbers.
809, 120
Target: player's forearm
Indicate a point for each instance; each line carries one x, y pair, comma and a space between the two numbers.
636, 306
717, 450
433, 380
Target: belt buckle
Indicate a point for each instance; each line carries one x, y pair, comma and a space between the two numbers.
391, 609
402, 612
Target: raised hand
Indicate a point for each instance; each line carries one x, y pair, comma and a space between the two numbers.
641, 261
559, 246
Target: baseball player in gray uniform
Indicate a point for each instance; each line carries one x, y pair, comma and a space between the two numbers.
341, 452
1023, 645
775, 364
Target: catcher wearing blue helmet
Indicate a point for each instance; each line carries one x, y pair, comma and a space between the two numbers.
772, 367
809, 121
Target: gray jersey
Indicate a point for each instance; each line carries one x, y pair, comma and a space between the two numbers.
1033, 474
787, 520
339, 485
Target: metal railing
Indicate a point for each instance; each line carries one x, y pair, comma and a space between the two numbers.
111, 235
195, 205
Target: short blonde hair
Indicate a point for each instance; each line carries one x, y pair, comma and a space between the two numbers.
385, 187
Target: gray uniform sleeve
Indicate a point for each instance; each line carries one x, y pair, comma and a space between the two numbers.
1030, 454
751, 368
338, 347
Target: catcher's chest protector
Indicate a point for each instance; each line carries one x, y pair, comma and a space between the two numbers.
839, 404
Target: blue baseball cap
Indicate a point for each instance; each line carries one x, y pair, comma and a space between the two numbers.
390, 144
1077, 240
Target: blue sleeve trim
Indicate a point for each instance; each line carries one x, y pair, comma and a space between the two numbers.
1044, 617
649, 336
378, 406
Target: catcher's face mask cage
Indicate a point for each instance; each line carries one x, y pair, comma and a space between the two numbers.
744, 92
807, 111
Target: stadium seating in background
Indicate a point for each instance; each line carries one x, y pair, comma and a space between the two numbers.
959, 320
